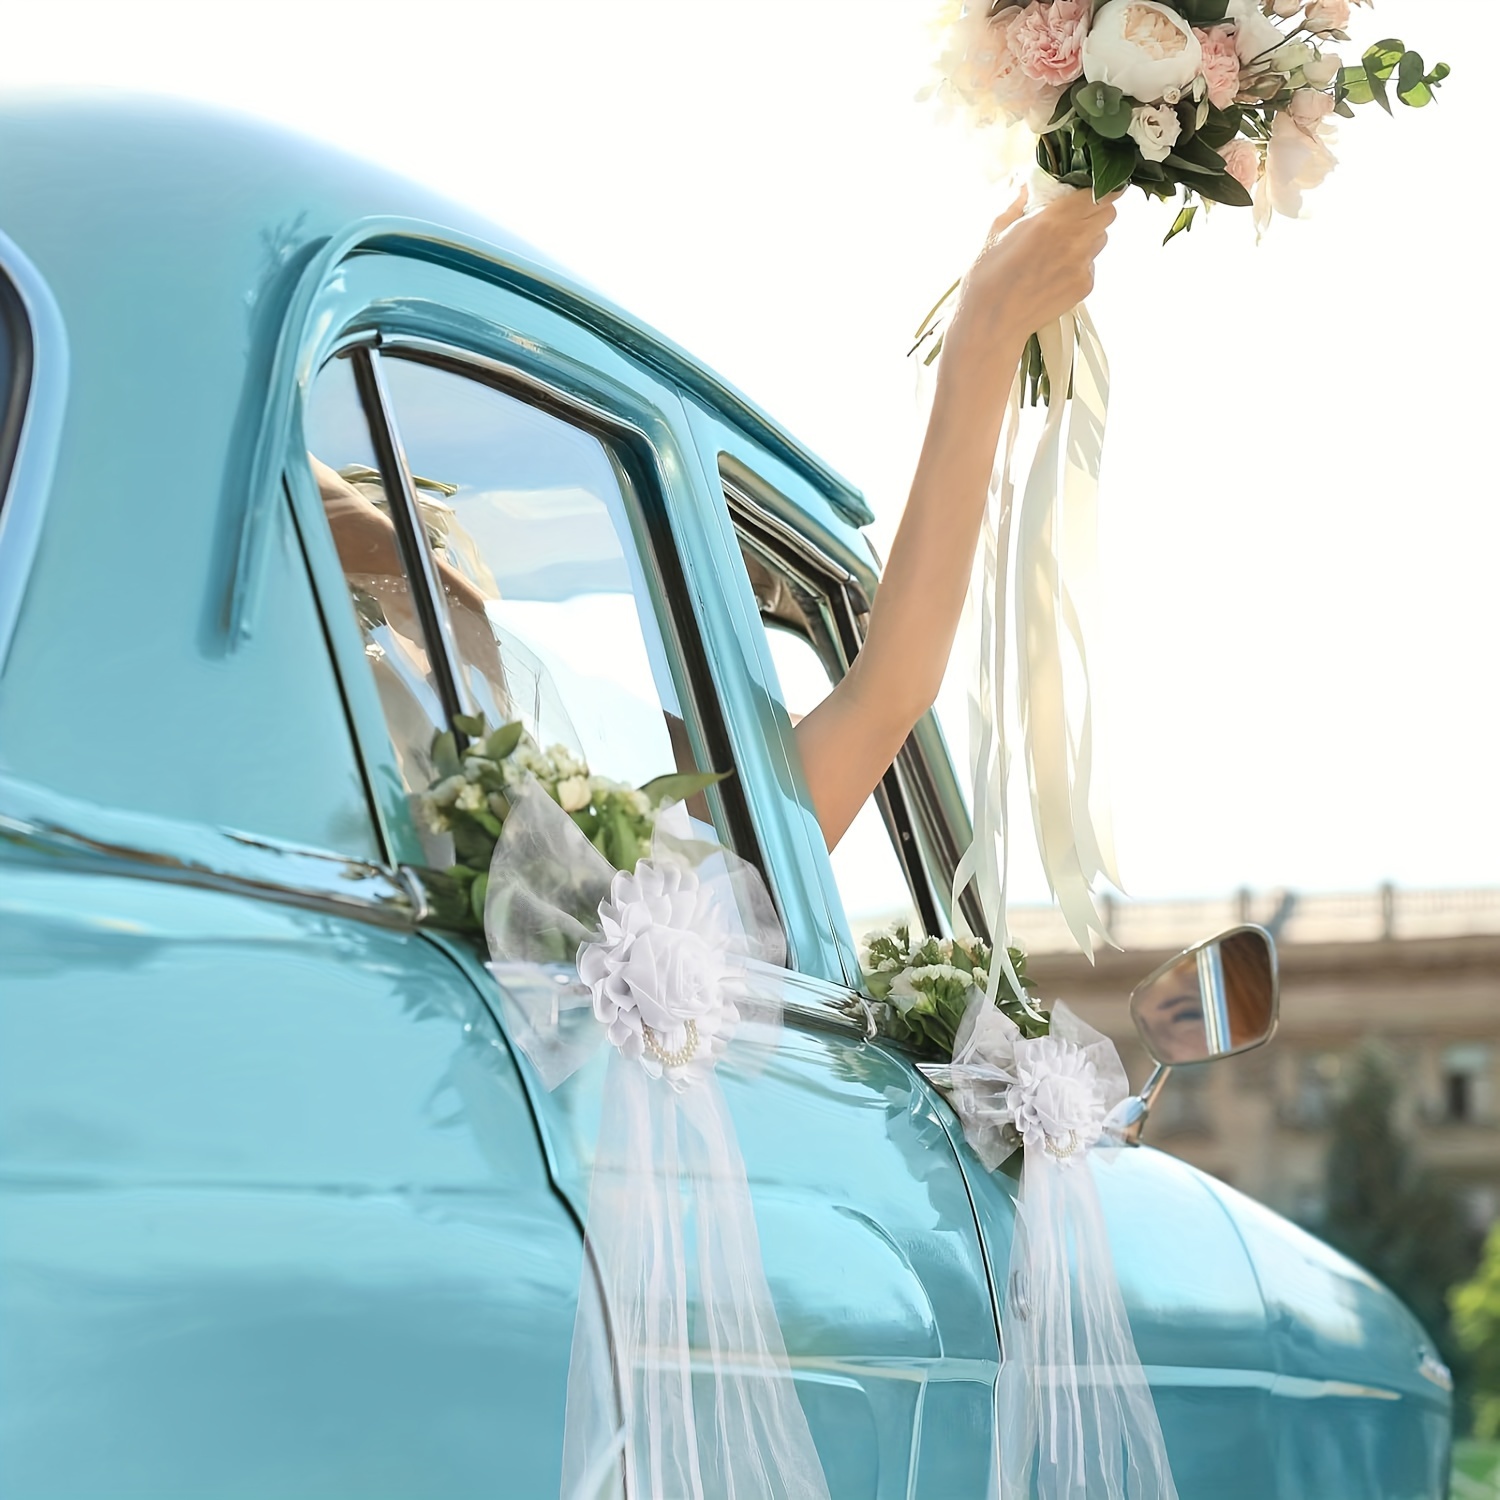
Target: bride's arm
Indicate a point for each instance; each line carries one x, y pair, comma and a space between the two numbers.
1030, 271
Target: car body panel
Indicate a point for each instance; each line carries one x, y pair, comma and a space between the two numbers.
279, 1207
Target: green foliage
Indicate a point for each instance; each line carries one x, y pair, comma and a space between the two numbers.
1369, 81
469, 801
1105, 108
1475, 1307
922, 990
1388, 1214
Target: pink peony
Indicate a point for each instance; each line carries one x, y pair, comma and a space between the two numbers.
1221, 65
1242, 162
1047, 40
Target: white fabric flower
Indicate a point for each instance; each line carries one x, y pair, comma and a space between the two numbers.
1155, 131
1141, 48
472, 799
1056, 1102
659, 971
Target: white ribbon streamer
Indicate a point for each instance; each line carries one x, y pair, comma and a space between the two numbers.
679, 1385
1055, 566
1074, 1415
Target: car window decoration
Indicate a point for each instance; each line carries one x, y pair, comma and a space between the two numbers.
672, 968
1043, 1082
474, 789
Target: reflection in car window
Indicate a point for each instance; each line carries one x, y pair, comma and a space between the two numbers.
343, 463
534, 518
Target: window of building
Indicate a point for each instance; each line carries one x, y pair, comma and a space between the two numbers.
1465, 1083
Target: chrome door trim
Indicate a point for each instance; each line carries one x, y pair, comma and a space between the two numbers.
141, 847
30, 484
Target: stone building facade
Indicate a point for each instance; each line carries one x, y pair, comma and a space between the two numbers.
1418, 971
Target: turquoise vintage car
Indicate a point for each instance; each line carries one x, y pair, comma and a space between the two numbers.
282, 1211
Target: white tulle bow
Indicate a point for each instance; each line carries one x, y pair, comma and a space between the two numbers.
1074, 1414
670, 1396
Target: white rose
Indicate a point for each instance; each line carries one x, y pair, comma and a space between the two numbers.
1255, 36
1141, 48
1323, 69
1155, 131
1309, 108
1286, 8
574, 794
659, 972
1291, 56
1328, 15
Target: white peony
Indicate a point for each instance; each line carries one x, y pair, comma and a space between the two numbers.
1256, 36
1056, 1099
1155, 131
659, 972
1141, 48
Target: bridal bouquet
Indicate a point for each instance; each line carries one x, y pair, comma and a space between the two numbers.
1220, 101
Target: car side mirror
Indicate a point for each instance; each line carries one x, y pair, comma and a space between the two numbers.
1215, 1000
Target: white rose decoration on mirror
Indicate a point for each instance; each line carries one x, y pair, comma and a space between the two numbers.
1055, 1099
659, 972
1141, 48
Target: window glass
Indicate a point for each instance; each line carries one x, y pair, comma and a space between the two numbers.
344, 465
553, 624
869, 876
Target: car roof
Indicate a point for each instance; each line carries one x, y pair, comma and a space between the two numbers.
163, 180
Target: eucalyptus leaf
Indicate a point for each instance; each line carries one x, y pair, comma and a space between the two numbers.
1354, 84
1380, 62
472, 725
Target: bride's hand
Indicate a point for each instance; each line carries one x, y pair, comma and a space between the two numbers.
1032, 269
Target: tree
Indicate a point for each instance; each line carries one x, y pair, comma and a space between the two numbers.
1385, 1212
1476, 1322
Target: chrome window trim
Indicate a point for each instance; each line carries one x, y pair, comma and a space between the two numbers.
29, 486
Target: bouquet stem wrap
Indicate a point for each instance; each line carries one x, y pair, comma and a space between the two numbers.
679, 1386
1075, 1419
1055, 568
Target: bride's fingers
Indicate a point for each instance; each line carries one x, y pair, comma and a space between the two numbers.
1011, 214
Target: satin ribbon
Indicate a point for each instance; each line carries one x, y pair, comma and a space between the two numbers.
1055, 567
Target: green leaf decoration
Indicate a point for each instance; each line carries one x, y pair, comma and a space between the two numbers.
504, 740
1183, 222
1221, 126
1111, 164
445, 759
1380, 62
1354, 85
678, 786
1223, 189
472, 725
477, 894
1198, 155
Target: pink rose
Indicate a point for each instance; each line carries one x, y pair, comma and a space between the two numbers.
1309, 108
1221, 65
1328, 15
1047, 40
1242, 162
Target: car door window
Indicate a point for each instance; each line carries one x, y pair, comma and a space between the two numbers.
536, 604
881, 865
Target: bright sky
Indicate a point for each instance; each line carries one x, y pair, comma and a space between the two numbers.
1300, 519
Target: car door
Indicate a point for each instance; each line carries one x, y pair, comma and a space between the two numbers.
560, 502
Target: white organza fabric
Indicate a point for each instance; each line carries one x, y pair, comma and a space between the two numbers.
679, 1386
1074, 1415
